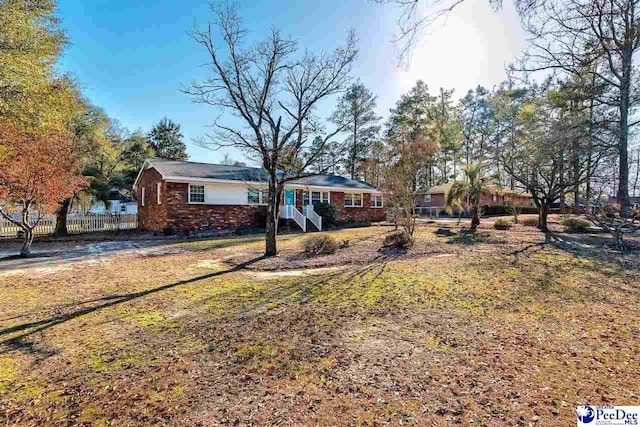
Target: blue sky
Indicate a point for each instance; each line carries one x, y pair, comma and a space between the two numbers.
132, 57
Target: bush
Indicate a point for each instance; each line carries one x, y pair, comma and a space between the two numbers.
397, 239
575, 225
169, 230
328, 213
505, 210
530, 222
319, 244
610, 211
261, 216
502, 224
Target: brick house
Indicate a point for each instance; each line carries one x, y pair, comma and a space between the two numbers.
436, 197
196, 196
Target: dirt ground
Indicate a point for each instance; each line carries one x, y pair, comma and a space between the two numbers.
502, 328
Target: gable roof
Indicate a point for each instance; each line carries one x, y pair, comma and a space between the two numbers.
173, 169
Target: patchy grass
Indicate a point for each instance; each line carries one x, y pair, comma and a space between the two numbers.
498, 328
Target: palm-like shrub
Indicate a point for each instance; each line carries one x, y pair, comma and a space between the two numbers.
469, 192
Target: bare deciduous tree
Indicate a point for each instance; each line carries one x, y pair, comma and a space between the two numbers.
272, 92
596, 40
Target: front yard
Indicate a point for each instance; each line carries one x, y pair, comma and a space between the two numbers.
510, 328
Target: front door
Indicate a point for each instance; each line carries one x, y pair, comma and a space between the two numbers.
289, 197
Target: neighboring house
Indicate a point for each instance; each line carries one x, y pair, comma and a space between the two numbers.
437, 197
116, 207
191, 196
634, 201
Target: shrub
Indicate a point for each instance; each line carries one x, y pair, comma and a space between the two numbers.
506, 210
530, 222
502, 224
261, 216
319, 244
169, 230
397, 239
328, 213
610, 211
575, 225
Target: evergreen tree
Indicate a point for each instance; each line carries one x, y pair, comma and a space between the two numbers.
357, 107
166, 140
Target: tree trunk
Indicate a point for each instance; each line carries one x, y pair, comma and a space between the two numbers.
61, 218
271, 247
623, 146
26, 244
475, 217
587, 194
543, 213
635, 181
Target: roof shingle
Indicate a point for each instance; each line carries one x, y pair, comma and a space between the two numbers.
194, 170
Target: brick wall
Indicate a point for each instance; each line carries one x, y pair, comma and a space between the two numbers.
364, 214
437, 200
185, 216
152, 216
485, 200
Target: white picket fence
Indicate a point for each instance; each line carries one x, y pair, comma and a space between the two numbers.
76, 224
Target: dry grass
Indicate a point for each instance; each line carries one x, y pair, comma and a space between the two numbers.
497, 329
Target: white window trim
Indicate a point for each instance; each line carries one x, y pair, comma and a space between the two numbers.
352, 205
191, 202
261, 196
158, 195
142, 197
375, 196
310, 196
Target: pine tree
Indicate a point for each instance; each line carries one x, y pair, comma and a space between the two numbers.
166, 140
357, 106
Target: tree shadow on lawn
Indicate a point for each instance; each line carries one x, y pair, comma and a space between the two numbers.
465, 236
19, 343
308, 289
302, 289
95, 249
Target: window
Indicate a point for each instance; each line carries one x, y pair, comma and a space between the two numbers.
376, 200
123, 208
158, 186
253, 196
196, 193
317, 197
427, 198
353, 200
257, 197
142, 196
494, 197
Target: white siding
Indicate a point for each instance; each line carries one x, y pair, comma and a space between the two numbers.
226, 194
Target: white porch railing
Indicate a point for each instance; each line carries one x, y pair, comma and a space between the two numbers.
291, 212
315, 219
